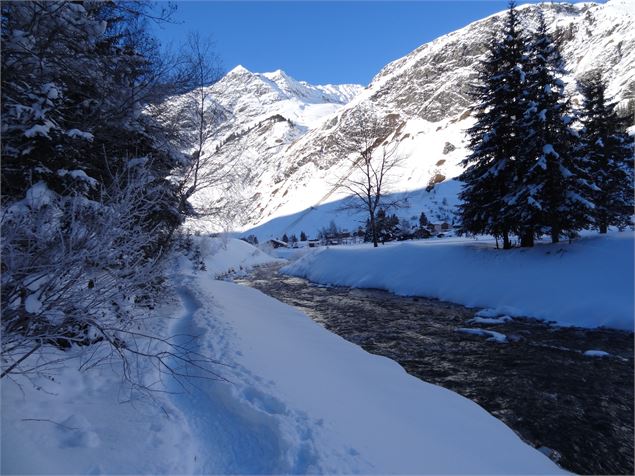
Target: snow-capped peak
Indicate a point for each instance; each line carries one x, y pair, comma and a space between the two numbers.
276, 75
239, 69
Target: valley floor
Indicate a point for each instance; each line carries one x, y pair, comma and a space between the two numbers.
291, 398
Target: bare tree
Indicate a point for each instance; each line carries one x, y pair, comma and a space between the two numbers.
194, 118
372, 161
199, 114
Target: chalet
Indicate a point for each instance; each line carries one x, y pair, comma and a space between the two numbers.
277, 244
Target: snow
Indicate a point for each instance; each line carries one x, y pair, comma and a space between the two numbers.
596, 353
438, 205
38, 196
588, 283
296, 399
490, 320
495, 336
225, 256
76, 133
488, 313
32, 304
78, 422
345, 395
549, 150
38, 130
78, 175
50, 90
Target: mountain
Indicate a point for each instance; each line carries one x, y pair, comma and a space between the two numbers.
257, 115
254, 97
288, 132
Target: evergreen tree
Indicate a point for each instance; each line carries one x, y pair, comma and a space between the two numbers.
75, 79
392, 228
607, 151
332, 230
285, 238
368, 231
495, 138
380, 225
303, 236
423, 220
551, 193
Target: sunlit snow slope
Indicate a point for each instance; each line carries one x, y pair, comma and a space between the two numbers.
288, 134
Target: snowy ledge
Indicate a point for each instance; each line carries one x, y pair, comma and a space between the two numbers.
588, 283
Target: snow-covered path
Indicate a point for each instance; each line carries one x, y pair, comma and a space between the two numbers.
302, 399
295, 399
232, 436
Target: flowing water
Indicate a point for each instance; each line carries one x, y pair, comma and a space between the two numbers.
575, 408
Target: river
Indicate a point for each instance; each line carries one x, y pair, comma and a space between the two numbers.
577, 409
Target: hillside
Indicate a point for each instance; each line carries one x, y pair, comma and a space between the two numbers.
288, 133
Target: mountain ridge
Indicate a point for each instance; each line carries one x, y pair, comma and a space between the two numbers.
424, 94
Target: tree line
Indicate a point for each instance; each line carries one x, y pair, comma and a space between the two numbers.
537, 165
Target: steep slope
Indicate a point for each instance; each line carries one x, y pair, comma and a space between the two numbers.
423, 96
256, 116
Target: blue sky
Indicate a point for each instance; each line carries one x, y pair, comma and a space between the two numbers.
321, 41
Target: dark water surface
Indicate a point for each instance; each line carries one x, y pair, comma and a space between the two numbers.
577, 409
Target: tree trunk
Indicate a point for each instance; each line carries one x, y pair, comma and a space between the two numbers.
373, 227
507, 244
603, 228
527, 239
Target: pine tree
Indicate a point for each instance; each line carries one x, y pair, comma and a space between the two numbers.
607, 151
552, 191
368, 231
494, 139
75, 79
303, 236
285, 238
423, 220
392, 228
381, 222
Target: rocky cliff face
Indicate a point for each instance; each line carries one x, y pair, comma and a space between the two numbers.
432, 82
288, 132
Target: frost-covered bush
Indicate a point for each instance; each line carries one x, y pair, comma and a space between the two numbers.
90, 194
74, 271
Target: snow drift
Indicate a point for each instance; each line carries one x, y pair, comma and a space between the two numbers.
296, 399
588, 283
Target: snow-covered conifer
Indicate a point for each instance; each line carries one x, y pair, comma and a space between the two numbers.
552, 192
607, 151
494, 139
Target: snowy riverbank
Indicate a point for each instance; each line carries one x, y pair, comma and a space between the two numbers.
297, 399
588, 283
